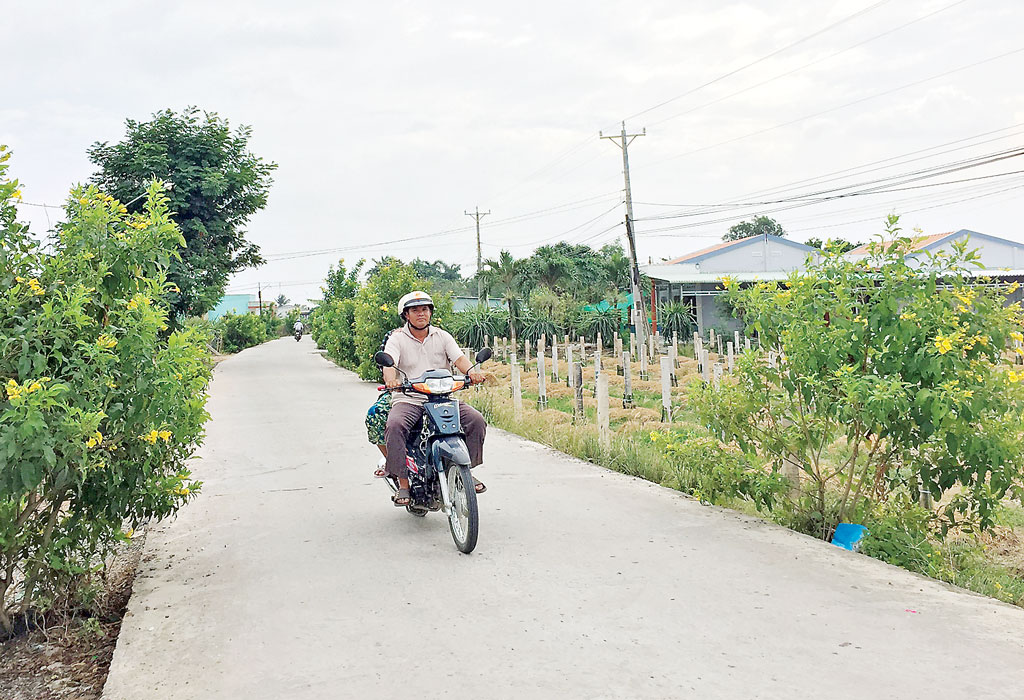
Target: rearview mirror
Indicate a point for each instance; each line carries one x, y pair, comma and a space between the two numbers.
383, 359
483, 356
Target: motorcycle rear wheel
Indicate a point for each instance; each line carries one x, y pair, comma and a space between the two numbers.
464, 517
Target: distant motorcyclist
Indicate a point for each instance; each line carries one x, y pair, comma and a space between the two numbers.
298, 327
417, 347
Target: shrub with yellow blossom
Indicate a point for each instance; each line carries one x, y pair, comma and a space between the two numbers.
898, 360
87, 368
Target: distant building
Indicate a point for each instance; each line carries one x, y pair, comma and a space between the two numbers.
285, 309
467, 303
234, 304
695, 279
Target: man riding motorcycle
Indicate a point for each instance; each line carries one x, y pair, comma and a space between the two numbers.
417, 347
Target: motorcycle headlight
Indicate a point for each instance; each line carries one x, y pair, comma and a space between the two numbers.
440, 386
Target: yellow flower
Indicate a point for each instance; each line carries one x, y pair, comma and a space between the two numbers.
96, 439
19, 280
1014, 377
151, 437
17, 194
183, 491
129, 532
383, 307
654, 436
1017, 336
165, 435
943, 344
35, 287
908, 316
106, 342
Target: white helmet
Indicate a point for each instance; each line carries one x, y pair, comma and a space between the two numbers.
412, 299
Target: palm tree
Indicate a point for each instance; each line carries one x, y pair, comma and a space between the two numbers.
508, 274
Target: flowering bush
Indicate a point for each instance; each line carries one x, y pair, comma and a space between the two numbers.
100, 407
376, 310
892, 375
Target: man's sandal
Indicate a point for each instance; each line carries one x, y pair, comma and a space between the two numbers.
379, 473
401, 498
478, 485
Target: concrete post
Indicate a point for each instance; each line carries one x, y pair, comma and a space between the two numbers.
604, 434
666, 389
569, 377
705, 366
554, 359
732, 358
627, 375
578, 413
675, 351
718, 376
517, 393
542, 392
644, 376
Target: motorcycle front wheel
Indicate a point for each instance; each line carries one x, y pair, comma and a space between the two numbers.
464, 518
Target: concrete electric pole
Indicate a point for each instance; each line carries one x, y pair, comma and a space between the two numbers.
477, 214
623, 140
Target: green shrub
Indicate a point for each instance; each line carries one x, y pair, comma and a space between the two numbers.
719, 473
471, 326
676, 317
241, 331
101, 407
376, 310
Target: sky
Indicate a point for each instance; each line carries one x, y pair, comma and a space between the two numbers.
389, 120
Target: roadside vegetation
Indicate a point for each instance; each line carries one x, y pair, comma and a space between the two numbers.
875, 392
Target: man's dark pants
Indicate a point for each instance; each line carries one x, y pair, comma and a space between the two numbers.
405, 417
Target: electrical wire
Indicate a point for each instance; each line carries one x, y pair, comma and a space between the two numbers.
760, 60
809, 64
873, 186
860, 100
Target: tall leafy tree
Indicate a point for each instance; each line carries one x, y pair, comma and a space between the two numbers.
758, 226
509, 275
217, 185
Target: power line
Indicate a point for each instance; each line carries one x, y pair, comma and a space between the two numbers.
810, 63
873, 186
559, 209
763, 58
659, 232
837, 108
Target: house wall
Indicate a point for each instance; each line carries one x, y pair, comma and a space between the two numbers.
712, 312
235, 304
994, 253
761, 256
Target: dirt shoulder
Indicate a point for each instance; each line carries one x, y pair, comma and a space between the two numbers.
69, 659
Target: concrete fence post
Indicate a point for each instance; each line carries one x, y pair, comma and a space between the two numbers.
644, 376
666, 389
732, 358
542, 392
604, 434
705, 366
554, 359
578, 413
569, 378
627, 375
517, 393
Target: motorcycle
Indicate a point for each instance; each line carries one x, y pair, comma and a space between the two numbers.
298, 336
439, 466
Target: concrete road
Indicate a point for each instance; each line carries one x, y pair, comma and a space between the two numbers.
293, 576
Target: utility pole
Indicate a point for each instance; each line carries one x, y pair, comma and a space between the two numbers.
479, 264
623, 140
259, 294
